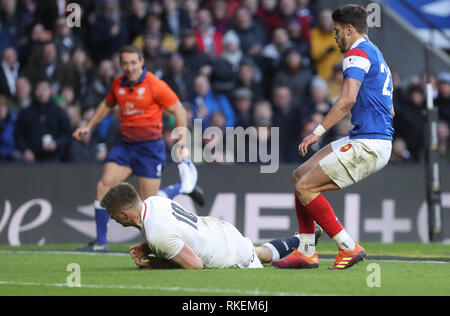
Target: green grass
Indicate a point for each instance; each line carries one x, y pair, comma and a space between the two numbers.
45, 273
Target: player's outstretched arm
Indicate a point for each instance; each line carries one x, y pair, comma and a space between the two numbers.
343, 105
179, 111
102, 111
187, 259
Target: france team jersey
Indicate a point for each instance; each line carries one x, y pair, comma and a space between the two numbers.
371, 114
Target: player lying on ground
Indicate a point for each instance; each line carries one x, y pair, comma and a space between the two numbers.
176, 238
367, 93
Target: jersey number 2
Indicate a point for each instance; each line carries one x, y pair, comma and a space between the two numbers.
184, 216
385, 70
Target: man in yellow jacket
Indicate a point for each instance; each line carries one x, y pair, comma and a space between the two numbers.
324, 49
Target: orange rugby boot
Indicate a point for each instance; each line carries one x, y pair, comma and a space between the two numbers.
346, 259
297, 260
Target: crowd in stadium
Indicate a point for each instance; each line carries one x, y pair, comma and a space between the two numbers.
264, 63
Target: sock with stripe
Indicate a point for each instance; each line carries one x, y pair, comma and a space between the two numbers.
307, 228
282, 247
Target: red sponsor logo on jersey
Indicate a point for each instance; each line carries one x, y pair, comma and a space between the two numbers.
346, 148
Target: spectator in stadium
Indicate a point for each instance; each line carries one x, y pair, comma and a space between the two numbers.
33, 43
8, 117
288, 10
50, 67
249, 76
9, 72
295, 76
286, 119
221, 18
269, 13
294, 29
324, 49
156, 58
100, 85
47, 12
262, 113
317, 103
443, 99
251, 35
274, 52
209, 40
65, 40
42, 131
14, 23
306, 14
400, 152
177, 78
232, 52
174, 19
191, 7
195, 62
226, 67
206, 102
153, 25
23, 98
411, 121
137, 17
242, 103
109, 32
83, 73
444, 141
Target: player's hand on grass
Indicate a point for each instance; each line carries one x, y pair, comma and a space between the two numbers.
307, 143
143, 264
140, 252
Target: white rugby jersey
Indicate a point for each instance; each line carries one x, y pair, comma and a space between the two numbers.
167, 227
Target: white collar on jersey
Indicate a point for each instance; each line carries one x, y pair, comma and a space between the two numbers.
362, 39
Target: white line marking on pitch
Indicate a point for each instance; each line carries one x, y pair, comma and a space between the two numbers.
167, 289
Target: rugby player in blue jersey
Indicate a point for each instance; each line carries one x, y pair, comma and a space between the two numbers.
367, 94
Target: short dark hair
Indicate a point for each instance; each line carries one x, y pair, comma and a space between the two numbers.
352, 14
131, 50
122, 196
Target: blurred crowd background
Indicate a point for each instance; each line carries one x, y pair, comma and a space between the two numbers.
263, 63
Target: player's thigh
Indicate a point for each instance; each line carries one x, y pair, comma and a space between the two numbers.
315, 181
311, 163
148, 187
113, 174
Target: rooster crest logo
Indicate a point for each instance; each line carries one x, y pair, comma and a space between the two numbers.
346, 148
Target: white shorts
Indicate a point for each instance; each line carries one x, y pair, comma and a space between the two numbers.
353, 160
242, 253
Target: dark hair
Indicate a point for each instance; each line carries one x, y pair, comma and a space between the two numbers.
352, 14
122, 196
131, 50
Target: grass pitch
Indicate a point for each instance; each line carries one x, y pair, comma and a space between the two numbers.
404, 269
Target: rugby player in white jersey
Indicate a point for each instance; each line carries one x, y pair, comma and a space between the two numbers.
176, 238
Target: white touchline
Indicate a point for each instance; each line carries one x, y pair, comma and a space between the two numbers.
168, 289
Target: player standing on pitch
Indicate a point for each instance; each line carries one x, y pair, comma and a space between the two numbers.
367, 93
142, 97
